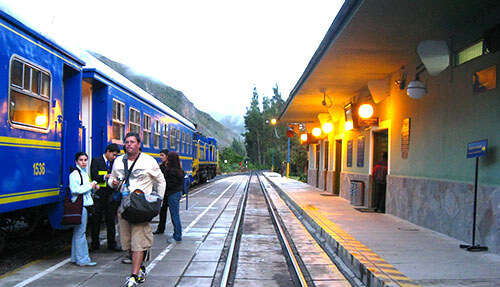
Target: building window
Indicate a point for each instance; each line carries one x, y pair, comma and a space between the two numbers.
469, 53
146, 130
134, 119
172, 138
29, 95
165, 137
157, 133
118, 120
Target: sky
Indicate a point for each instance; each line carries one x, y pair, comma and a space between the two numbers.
215, 52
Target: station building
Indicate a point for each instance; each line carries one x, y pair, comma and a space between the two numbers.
429, 71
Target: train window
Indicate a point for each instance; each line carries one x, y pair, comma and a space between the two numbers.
172, 138
165, 136
146, 135
157, 133
178, 138
45, 85
118, 120
188, 144
29, 105
16, 74
183, 143
134, 119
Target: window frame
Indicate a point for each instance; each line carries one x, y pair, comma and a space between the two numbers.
171, 143
165, 137
178, 140
117, 121
29, 93
156, 134
146, 130
130, 123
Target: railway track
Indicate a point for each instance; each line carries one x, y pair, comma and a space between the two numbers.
260, 254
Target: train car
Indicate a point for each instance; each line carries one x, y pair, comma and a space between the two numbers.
205, 158
56, 103
113, 106
40, 86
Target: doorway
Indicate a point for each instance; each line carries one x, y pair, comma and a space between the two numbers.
338, 167
380, 147
317, 158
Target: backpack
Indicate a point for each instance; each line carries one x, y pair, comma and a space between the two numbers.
380, 174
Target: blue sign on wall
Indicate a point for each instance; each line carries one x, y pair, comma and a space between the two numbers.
349, 153
477, 148
361, 151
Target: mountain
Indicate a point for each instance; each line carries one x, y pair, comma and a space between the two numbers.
177, 101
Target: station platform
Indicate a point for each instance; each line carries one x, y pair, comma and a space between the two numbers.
384, 250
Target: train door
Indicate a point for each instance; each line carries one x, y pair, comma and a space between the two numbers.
380, 146
87, 118
338, 167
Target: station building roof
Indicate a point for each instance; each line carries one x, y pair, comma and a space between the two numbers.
371, 39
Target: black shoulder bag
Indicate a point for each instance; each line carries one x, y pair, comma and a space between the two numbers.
139, 207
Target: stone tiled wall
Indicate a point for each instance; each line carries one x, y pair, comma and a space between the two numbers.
312, 177
345, 186
447, 207
330, 178
321, 179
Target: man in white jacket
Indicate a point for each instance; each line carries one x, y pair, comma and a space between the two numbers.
145, 175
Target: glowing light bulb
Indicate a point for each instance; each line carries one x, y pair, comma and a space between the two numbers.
316, 132
40, 120
365, 111
273, 121
303, 137
327, 127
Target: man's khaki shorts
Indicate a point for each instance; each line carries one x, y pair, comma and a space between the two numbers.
135, 237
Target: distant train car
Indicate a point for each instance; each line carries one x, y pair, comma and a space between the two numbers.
205, 158
40, 84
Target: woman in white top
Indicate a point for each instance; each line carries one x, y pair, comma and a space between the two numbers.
79, 184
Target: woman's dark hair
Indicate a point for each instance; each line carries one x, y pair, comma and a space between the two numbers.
79, 154
164, 151
173, 162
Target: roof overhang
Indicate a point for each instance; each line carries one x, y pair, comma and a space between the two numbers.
369, 40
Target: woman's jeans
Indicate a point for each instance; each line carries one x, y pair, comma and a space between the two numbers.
173, 203
79, 248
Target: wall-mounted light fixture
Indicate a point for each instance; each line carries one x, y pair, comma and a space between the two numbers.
316, 132
416, 89
327, 127
303, 137
365, 111
435, 57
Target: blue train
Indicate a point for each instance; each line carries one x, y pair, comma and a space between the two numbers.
55, 103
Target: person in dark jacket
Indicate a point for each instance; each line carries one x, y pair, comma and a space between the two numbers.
174, 176
380, 179
100, 170
160, 229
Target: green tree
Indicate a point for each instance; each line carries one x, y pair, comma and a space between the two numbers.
238, 147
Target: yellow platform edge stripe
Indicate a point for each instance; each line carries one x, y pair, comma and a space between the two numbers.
336, 232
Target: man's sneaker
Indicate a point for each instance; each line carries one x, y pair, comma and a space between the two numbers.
131, 282
141, 278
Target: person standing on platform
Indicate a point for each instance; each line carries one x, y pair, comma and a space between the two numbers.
174, 176
160, 229
79, 184
142, 173
100, 171
380, 179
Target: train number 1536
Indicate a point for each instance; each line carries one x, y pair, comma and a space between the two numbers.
39, 168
